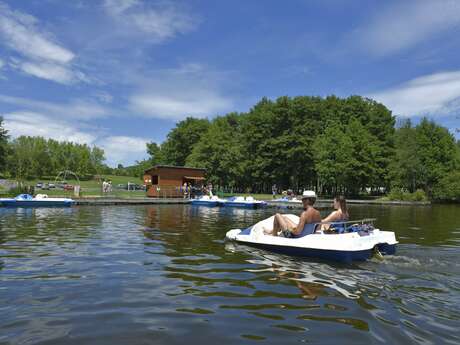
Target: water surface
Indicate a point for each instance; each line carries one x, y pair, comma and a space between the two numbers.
164, 275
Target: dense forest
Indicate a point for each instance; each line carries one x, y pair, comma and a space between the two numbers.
334, 145
29, 157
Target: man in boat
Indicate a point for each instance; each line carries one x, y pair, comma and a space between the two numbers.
283, 226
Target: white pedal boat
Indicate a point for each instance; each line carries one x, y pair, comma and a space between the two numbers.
41, 200
207, 200
358, 241
247, 202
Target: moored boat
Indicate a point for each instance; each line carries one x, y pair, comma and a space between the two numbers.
41, 200
241, 201
285, 199
345, 242
207, 200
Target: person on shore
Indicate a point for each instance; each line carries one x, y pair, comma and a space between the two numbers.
283, 226
185, 190
274, 190
340, 213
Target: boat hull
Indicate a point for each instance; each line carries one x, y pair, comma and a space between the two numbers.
205, 203
322, 254
36, 203
343, 247
244, 204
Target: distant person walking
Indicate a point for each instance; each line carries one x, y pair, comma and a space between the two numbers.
274, 190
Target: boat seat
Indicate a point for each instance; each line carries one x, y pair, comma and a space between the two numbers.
308, 229
24, 197
339, 227
246, 231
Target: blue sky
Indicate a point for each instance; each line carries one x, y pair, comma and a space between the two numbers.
120, 73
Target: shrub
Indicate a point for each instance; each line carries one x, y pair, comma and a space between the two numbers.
419, 195
398, 194
448, 188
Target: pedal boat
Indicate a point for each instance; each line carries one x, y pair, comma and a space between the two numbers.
356, 240
247, 202
210, 201
40, 200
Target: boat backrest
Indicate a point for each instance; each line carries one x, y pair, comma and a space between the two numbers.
24, 197
249, 198
338, 226
308, 229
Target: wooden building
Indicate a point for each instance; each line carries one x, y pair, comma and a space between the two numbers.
163, 181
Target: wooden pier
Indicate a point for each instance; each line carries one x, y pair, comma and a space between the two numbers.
129, 201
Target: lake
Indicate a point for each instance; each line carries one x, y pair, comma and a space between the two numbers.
164, 275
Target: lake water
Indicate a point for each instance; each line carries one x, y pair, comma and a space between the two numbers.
164, 275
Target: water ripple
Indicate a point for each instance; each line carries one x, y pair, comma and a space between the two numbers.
164, 274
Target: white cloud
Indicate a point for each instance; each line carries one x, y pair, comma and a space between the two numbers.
40, 55
435, 94
123, 149
117, 7
180, 105
406, 24
104, 97
189, 90
54, 72
118, 149
157, 22
1, 63
36, 124
76, 109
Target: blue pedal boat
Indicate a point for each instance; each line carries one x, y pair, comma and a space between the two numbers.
241, 201
352, 241
210, 201
41, 200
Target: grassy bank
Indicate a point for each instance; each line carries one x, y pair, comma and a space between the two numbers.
91, 188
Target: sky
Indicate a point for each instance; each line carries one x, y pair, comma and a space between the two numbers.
120, 73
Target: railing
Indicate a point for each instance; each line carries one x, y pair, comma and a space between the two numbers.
343, 226
172, 192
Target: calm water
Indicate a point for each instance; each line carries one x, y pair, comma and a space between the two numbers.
164, 275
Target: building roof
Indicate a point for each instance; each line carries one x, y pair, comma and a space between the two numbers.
173, 167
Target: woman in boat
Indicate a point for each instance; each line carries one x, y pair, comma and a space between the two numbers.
283, 226
340, 213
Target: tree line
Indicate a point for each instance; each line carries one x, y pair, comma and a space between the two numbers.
334, 145
28, 157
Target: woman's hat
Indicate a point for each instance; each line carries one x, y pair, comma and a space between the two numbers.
308, 194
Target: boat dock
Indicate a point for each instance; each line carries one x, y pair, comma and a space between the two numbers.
129, 201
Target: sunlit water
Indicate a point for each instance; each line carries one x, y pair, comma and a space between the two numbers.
165, 275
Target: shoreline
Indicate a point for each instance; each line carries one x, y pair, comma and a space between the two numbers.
270, 203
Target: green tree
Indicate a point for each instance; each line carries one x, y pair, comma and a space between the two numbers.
448, 187
219, 151
155, 153
437, 152
333, 152
3, 146
406, 165
181, 139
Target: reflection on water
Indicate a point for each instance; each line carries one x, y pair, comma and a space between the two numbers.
162, 274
